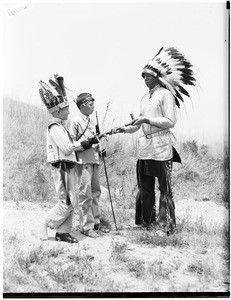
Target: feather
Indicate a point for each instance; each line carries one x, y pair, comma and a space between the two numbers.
159, 51
177, 102
51, 94
46, 95
173, 70
56, 86
42, 96
167, 85
60, 82
178, 95
183, 91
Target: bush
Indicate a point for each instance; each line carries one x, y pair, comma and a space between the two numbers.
27, 175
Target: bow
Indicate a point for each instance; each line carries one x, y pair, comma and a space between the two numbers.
105, 169
112, 131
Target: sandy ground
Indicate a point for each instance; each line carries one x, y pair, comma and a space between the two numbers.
21, 219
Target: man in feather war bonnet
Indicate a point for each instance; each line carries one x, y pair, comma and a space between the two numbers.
164, 75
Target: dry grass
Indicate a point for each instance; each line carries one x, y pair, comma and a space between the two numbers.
25, 163
24, 153
196, 258
34, 268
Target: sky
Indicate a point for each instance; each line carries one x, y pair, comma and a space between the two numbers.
102, 47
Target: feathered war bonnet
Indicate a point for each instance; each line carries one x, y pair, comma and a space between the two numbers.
53, 94
173, 70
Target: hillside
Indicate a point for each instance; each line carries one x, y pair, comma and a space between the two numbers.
194, 259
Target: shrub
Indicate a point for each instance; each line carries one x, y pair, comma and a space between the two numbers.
136, 267
27, 175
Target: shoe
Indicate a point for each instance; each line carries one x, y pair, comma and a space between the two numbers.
160, 230
160, 233
171, 229
65, 237
101, 228
142, 226
136, 226
90, 233
43, 230
145, 226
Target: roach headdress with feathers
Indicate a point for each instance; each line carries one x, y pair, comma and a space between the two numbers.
173, 70
53, 95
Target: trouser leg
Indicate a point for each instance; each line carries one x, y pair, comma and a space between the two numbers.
65, 181
86, 217
61, 215
96, 192
147, 186
138, 208
166, 204
71, 187
153, 217
138, 215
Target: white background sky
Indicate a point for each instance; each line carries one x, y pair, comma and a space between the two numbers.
101, 48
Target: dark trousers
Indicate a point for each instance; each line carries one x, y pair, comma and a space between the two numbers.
147, 172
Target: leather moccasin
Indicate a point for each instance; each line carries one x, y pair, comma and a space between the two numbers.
65, 237
90, 233
101, 228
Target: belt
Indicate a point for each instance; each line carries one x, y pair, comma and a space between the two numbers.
161, 132
64, 165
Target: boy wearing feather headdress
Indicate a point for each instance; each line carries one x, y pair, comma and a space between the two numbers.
61, 156
164, 76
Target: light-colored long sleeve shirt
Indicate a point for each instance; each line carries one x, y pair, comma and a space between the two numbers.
159, 107
62, 139
77, 127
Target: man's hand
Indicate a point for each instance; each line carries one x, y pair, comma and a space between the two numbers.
140, 120
86, 144
117, 130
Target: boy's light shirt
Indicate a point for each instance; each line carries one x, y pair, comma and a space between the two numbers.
61, 137
77, 127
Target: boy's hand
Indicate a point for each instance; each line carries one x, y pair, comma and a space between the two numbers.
94, 140
86, 144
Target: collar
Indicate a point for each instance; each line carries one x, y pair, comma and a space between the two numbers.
85, 118
60, 121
